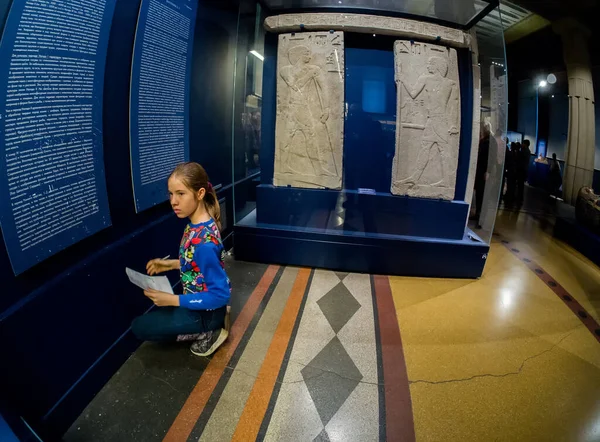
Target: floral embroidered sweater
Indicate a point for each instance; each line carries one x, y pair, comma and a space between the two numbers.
205, 283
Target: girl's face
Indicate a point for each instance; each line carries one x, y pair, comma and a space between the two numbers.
184, 200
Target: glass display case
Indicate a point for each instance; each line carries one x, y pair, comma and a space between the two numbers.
374, 132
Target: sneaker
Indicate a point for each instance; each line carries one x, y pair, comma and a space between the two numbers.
202, 343
208, 346
228, 319
191, 337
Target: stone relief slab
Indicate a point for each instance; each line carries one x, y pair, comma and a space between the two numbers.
370, 24
428, 120
310, 110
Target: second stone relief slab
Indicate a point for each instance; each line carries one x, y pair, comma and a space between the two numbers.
310, 110
428, 120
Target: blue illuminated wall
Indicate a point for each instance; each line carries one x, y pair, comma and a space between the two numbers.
369, 129
527, 111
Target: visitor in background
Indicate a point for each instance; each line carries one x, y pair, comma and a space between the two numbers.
554, 176
200, 313
481, 171
522, 169
511, 178
509, 172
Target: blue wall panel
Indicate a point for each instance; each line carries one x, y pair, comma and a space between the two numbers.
52, 184
160, 96
64, 323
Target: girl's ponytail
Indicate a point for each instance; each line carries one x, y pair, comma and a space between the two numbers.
212, 204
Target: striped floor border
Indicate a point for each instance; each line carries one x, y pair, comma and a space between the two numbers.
399, 423
192, 409
395, 408
572, 303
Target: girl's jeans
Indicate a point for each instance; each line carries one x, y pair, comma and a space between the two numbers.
167, 323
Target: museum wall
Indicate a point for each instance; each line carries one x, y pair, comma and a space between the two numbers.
558, 120
64, 321
527, 111
553, 118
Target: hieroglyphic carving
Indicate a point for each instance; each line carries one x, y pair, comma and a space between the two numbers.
363, 23
428, 120
310, 110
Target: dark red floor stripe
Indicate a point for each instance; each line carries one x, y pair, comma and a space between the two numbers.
398, 406
560, 291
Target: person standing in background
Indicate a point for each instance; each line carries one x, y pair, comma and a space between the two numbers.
511, 178
509, 172
522, 167
554, 176
481, 171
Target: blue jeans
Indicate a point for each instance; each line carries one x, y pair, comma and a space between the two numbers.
167, 323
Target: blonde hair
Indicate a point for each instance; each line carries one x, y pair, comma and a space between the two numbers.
195, 178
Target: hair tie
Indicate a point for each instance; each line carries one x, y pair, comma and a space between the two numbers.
209, 186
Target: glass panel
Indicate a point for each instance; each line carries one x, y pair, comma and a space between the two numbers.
248, 107
459, 12
491, 178
365, 205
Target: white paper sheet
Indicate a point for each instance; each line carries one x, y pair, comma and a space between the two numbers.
160, 283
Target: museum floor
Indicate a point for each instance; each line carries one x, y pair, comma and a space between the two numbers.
321, 355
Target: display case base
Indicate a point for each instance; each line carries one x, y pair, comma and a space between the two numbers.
359, 252
352, 210
587, 243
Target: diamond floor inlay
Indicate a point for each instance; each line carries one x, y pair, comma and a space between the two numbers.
322, 437
330, 378
338, 306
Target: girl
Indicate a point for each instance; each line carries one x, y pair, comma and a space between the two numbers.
200, 313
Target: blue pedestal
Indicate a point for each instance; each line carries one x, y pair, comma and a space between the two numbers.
359, 252
352, 211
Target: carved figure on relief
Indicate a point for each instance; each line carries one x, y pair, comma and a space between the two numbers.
427, 135
308, 144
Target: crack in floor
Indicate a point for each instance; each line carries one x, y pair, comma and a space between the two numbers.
418, 381
157, 377
491, 375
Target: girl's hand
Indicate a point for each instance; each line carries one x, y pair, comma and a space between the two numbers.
156, 266
162, 299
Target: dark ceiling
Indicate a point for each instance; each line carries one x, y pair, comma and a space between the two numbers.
584, 10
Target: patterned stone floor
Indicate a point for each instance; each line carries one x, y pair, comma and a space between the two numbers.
317, 355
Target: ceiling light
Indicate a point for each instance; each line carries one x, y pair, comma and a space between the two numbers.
543, 83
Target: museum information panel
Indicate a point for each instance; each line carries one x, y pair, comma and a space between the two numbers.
52, 184
160, 86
